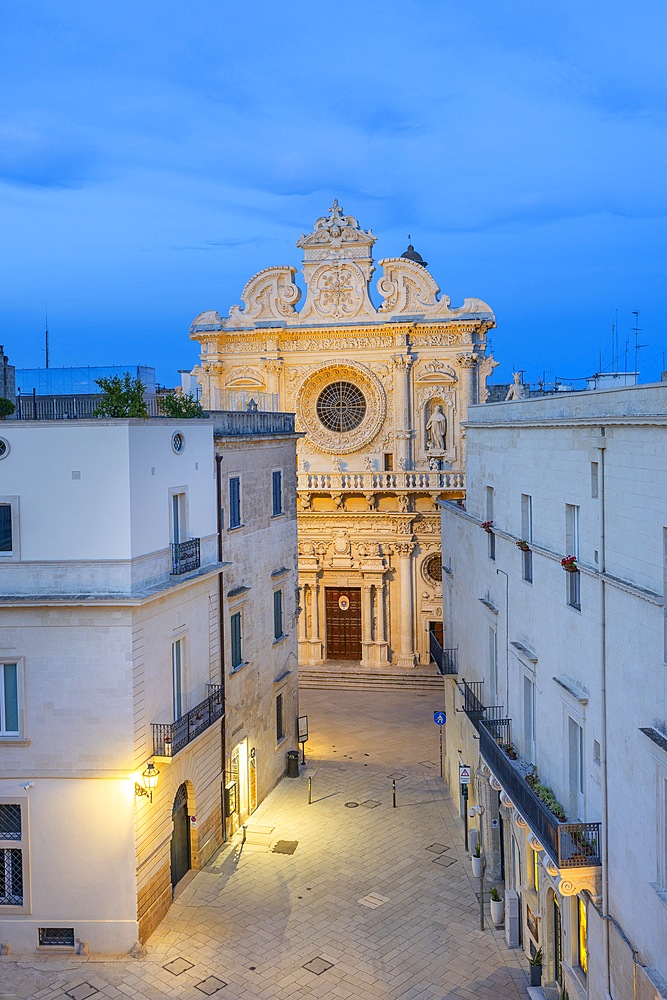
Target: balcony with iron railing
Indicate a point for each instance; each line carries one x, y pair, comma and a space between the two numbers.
444, 659
569, 845
170, 737
473, 705
185, 556
432, 481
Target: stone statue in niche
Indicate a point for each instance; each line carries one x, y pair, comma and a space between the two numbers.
515, 391
436, 430
368, 463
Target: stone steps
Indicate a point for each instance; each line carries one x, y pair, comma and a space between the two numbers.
369, 680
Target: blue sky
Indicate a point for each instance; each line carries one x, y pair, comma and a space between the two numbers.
154, 156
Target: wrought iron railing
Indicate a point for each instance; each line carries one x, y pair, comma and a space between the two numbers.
569, 845
474, 707
372, 482
170, 737
185, 556
450, 660
444, 659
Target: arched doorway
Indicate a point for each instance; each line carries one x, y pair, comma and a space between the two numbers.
180, 837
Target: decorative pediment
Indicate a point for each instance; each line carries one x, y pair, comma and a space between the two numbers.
435, 372
408, 288
269, 295
336, 235
337, 292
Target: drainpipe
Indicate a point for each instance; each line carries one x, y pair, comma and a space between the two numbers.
221, 635
603, 678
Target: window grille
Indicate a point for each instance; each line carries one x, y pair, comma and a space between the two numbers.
10, 821
56, 937
341, 407
11, 876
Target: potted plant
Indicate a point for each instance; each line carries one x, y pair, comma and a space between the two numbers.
477, 860
6, 407
510, 750
488, 526
569, 564
535, 963
497, 906
523, 545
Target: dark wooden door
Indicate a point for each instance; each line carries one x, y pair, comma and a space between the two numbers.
343, 611
438, 631
180, 838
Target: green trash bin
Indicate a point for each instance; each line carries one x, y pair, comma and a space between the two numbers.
292, 763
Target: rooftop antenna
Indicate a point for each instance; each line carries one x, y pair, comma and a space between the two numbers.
638, 346
46, 334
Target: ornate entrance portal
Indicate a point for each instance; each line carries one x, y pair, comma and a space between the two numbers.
343, 614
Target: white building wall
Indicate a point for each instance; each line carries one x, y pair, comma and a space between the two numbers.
608, 657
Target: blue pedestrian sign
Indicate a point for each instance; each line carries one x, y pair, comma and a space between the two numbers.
439, 718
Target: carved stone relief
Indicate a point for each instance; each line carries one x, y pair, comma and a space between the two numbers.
334, 442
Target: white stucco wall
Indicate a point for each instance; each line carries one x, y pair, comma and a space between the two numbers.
611, 653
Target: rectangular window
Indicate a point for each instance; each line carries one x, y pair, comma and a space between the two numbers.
572, 529
662, 830
9, 699
573, 583
526, 517
488, 494
278, 615
177, 677
235, 502
11, 856
529, 717
576, 768
280, 724
5, 528
237, 640
527, 536
388, 462
493, 666
527, 565
595, 488
177, 519
277, 482
582, 936
536, 870
491, 545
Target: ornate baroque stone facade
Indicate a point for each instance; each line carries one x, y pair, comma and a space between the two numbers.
380, 394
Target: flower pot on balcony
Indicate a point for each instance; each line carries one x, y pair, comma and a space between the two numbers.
477, 865
535, 975
497, 907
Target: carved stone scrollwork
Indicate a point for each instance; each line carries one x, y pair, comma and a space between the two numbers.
551, 868
582, 880
506, 802
519, 820
270, 294
403, 549
467, 361
334, 442
534, 843
495, 784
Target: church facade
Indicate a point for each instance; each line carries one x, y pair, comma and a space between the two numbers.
380, 394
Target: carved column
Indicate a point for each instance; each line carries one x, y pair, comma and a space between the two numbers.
406, 649
210, 375
305, 597
468, 362
366, 624
402, 415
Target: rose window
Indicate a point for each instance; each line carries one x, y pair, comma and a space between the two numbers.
341, 406
433, 568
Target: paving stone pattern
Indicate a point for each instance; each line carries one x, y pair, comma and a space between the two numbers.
374, 903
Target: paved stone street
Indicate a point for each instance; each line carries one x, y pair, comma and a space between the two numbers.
346, 897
